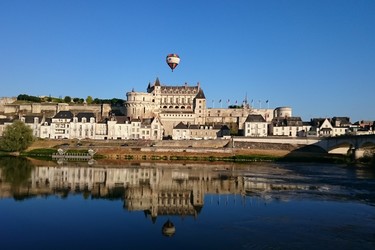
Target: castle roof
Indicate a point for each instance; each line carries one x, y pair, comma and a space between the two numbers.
157, 82
200, 94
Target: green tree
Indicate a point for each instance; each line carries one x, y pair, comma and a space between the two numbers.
16, 137
89, 100
67, 99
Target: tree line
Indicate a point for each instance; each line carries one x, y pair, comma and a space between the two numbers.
68, 99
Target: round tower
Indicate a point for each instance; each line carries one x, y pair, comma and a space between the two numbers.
283, 112
139, 105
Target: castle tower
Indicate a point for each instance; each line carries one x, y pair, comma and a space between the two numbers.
200, 107
139, 105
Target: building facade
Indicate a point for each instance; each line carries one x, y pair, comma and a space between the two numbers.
256, 125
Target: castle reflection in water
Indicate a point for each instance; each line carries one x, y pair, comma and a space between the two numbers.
156, 189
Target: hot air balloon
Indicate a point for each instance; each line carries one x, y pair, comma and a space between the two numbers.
173, 60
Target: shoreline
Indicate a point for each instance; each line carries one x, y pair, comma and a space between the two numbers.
132, 151
181, 151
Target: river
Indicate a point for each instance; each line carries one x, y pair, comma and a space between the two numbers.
185, 206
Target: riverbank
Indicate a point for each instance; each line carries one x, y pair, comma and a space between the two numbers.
183, 151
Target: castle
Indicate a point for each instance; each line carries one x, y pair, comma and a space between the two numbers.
188, 104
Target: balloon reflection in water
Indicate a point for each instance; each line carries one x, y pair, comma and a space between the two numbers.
168, 229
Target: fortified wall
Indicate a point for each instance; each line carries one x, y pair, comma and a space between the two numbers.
50, 109
6, 100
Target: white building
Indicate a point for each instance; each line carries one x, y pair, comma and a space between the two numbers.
198, 132
288, 126
60, 125
255, 125
83, 126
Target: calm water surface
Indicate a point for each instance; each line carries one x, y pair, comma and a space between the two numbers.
176, 206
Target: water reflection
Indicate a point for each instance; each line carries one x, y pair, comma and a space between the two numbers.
168, 229
15, 172
164, 189
186, 205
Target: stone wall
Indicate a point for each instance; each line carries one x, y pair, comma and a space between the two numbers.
218, 143
50, 109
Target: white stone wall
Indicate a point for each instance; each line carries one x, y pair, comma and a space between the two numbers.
82, 130
256, 129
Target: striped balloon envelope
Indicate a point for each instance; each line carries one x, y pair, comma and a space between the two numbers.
173, 60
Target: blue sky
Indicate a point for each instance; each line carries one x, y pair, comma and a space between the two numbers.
316, 56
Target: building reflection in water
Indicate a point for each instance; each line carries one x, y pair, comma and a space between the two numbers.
156, 189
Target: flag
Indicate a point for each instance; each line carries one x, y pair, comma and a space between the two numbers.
220, 101
267, 101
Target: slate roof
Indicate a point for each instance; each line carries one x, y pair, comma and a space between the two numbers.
86, 115
293, 121
341, 121
200, 95
64, 115
121, 119
6, 120
317, 121
157, 82
181, 125
255, 118
147, 122
48, 121
30, 118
